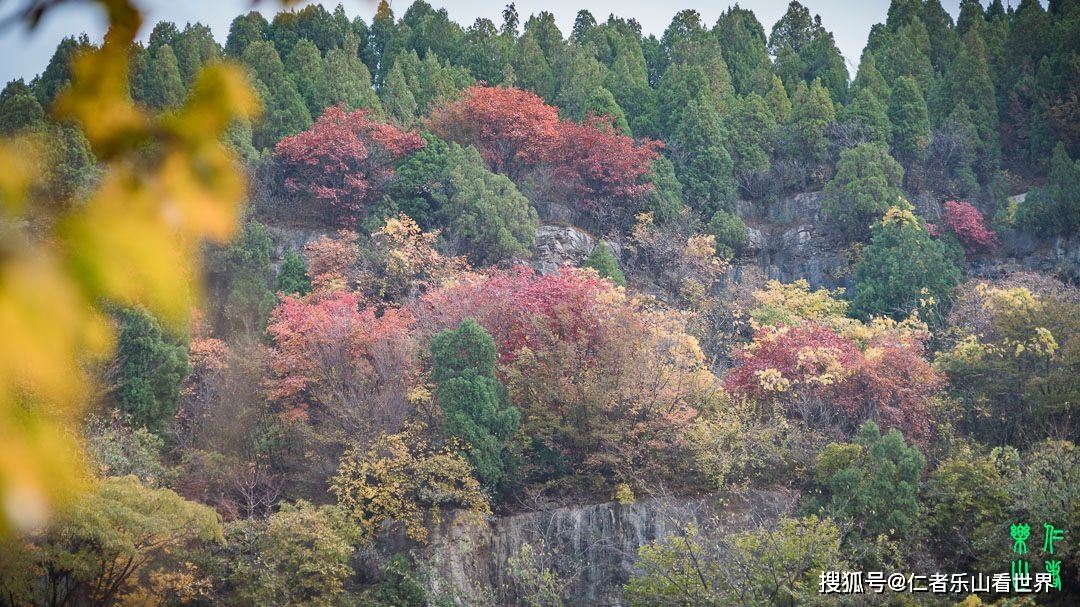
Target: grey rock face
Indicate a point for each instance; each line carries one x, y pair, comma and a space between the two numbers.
559, 246
594, 547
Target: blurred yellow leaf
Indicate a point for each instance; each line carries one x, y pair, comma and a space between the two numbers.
168, 183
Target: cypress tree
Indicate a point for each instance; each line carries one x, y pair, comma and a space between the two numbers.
475, 404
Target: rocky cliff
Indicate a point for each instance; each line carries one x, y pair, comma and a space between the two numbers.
592, 548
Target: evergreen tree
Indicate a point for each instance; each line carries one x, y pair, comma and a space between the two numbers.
194, 47
397, 99
292, 278
972, 93
432, 31
57, 74
475, 404
805, 52
482, 214
19, 108
870, 79
729, 231
906, 52
806, 135
241, 276
584, 24
904, 269
665, 201
866, 184
944, 42
680, 85
628, 81
151, 365
159, 85
345, 80
752, 137
304, 67
743, 44
602, 103
701, 160
532, 69
485, 52
872, 482
244, 30
867, 119
284, 110
778, 101
910, 125
1053, 209
605, 264
387, 39
580, 78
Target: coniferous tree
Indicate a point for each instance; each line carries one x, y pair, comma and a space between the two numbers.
244, 30
304, 66
628, 81
744, 47
284, 110
870, 79
701, 160
904, 269
1053, 209
605, 264
531, 68
19, 108
972, 93
151, 365
910, 126
345, 80
475, 404
194, 47
485, 52
866, 184
397, 99
292, 278
806, 135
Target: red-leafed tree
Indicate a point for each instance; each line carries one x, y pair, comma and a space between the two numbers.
348, 369
513, 129
828, 380
964, 220
343, 160
520, 136
593, 163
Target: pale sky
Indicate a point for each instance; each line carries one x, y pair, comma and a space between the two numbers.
24, 54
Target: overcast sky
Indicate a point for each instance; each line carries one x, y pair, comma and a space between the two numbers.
25, 54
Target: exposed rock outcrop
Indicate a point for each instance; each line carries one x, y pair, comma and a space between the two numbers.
559, 246
593, 547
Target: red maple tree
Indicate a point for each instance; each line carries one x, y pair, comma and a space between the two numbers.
964, 220
343, 160
520, 136
513, 129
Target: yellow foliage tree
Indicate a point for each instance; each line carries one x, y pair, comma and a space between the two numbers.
133, 240
402, 479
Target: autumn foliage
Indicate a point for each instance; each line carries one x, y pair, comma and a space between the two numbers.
521, 136
964, 220
343, 160
826, 378
338, 364
607, 388
513, 129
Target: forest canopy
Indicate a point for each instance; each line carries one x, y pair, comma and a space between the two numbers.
284, 310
